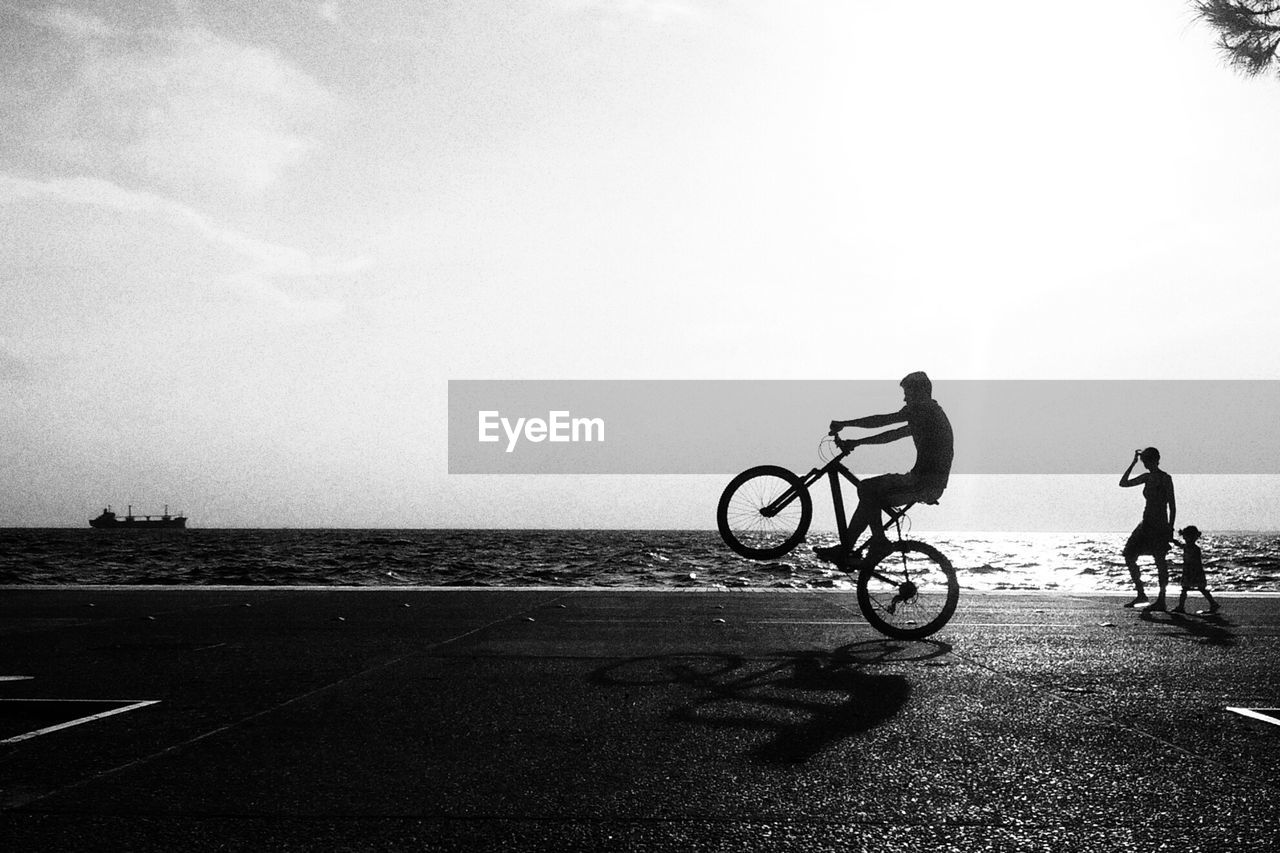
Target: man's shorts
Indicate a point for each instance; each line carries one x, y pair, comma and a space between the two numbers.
899, 490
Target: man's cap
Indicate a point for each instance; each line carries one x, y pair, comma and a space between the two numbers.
1190, 530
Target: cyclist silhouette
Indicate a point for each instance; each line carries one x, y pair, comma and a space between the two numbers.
928, 427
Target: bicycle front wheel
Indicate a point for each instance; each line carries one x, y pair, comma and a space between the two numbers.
910, 593
764, 512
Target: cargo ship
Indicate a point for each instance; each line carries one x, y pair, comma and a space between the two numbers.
110, 520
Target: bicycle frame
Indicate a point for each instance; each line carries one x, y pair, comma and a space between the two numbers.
834, 471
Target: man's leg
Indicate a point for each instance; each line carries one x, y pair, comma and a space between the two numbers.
877, 493
874, 494
862, 518
866, 514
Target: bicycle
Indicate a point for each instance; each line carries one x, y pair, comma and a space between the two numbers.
909, 591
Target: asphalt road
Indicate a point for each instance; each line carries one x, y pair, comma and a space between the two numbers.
414, 719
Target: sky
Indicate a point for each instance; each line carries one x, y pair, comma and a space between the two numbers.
246, 246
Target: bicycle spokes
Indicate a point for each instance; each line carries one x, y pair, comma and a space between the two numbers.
764, 512
760, 507
912, 592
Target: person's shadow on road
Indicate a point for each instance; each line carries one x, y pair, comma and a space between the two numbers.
1210, 629
808, 700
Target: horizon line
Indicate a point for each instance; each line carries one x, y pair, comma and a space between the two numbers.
481, 529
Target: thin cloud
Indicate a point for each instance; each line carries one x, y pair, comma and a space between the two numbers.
329, 11
263, 264
210, 104
649, 11
186, 110
13, 368
72, 22
63, 20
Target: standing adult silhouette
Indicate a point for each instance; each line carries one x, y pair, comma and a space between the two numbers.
1154, 533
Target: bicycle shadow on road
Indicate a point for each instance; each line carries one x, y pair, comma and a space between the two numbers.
1210, 630
809, 701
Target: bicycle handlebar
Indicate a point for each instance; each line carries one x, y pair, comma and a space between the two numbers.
835, 438
834, 435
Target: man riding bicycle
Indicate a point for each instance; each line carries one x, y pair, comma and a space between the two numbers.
930, 430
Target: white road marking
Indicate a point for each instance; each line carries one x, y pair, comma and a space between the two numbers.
132, 705
1266, 715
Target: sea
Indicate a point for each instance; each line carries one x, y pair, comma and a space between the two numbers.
1070, 562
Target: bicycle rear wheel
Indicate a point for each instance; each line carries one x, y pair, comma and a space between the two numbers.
910, 593
749, 526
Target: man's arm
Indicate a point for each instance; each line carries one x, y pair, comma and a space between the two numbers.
886, 437
1173, 508
871, 421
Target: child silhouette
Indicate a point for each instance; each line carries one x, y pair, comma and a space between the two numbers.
1192, 569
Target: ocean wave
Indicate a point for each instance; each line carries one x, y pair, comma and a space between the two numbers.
575, 558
